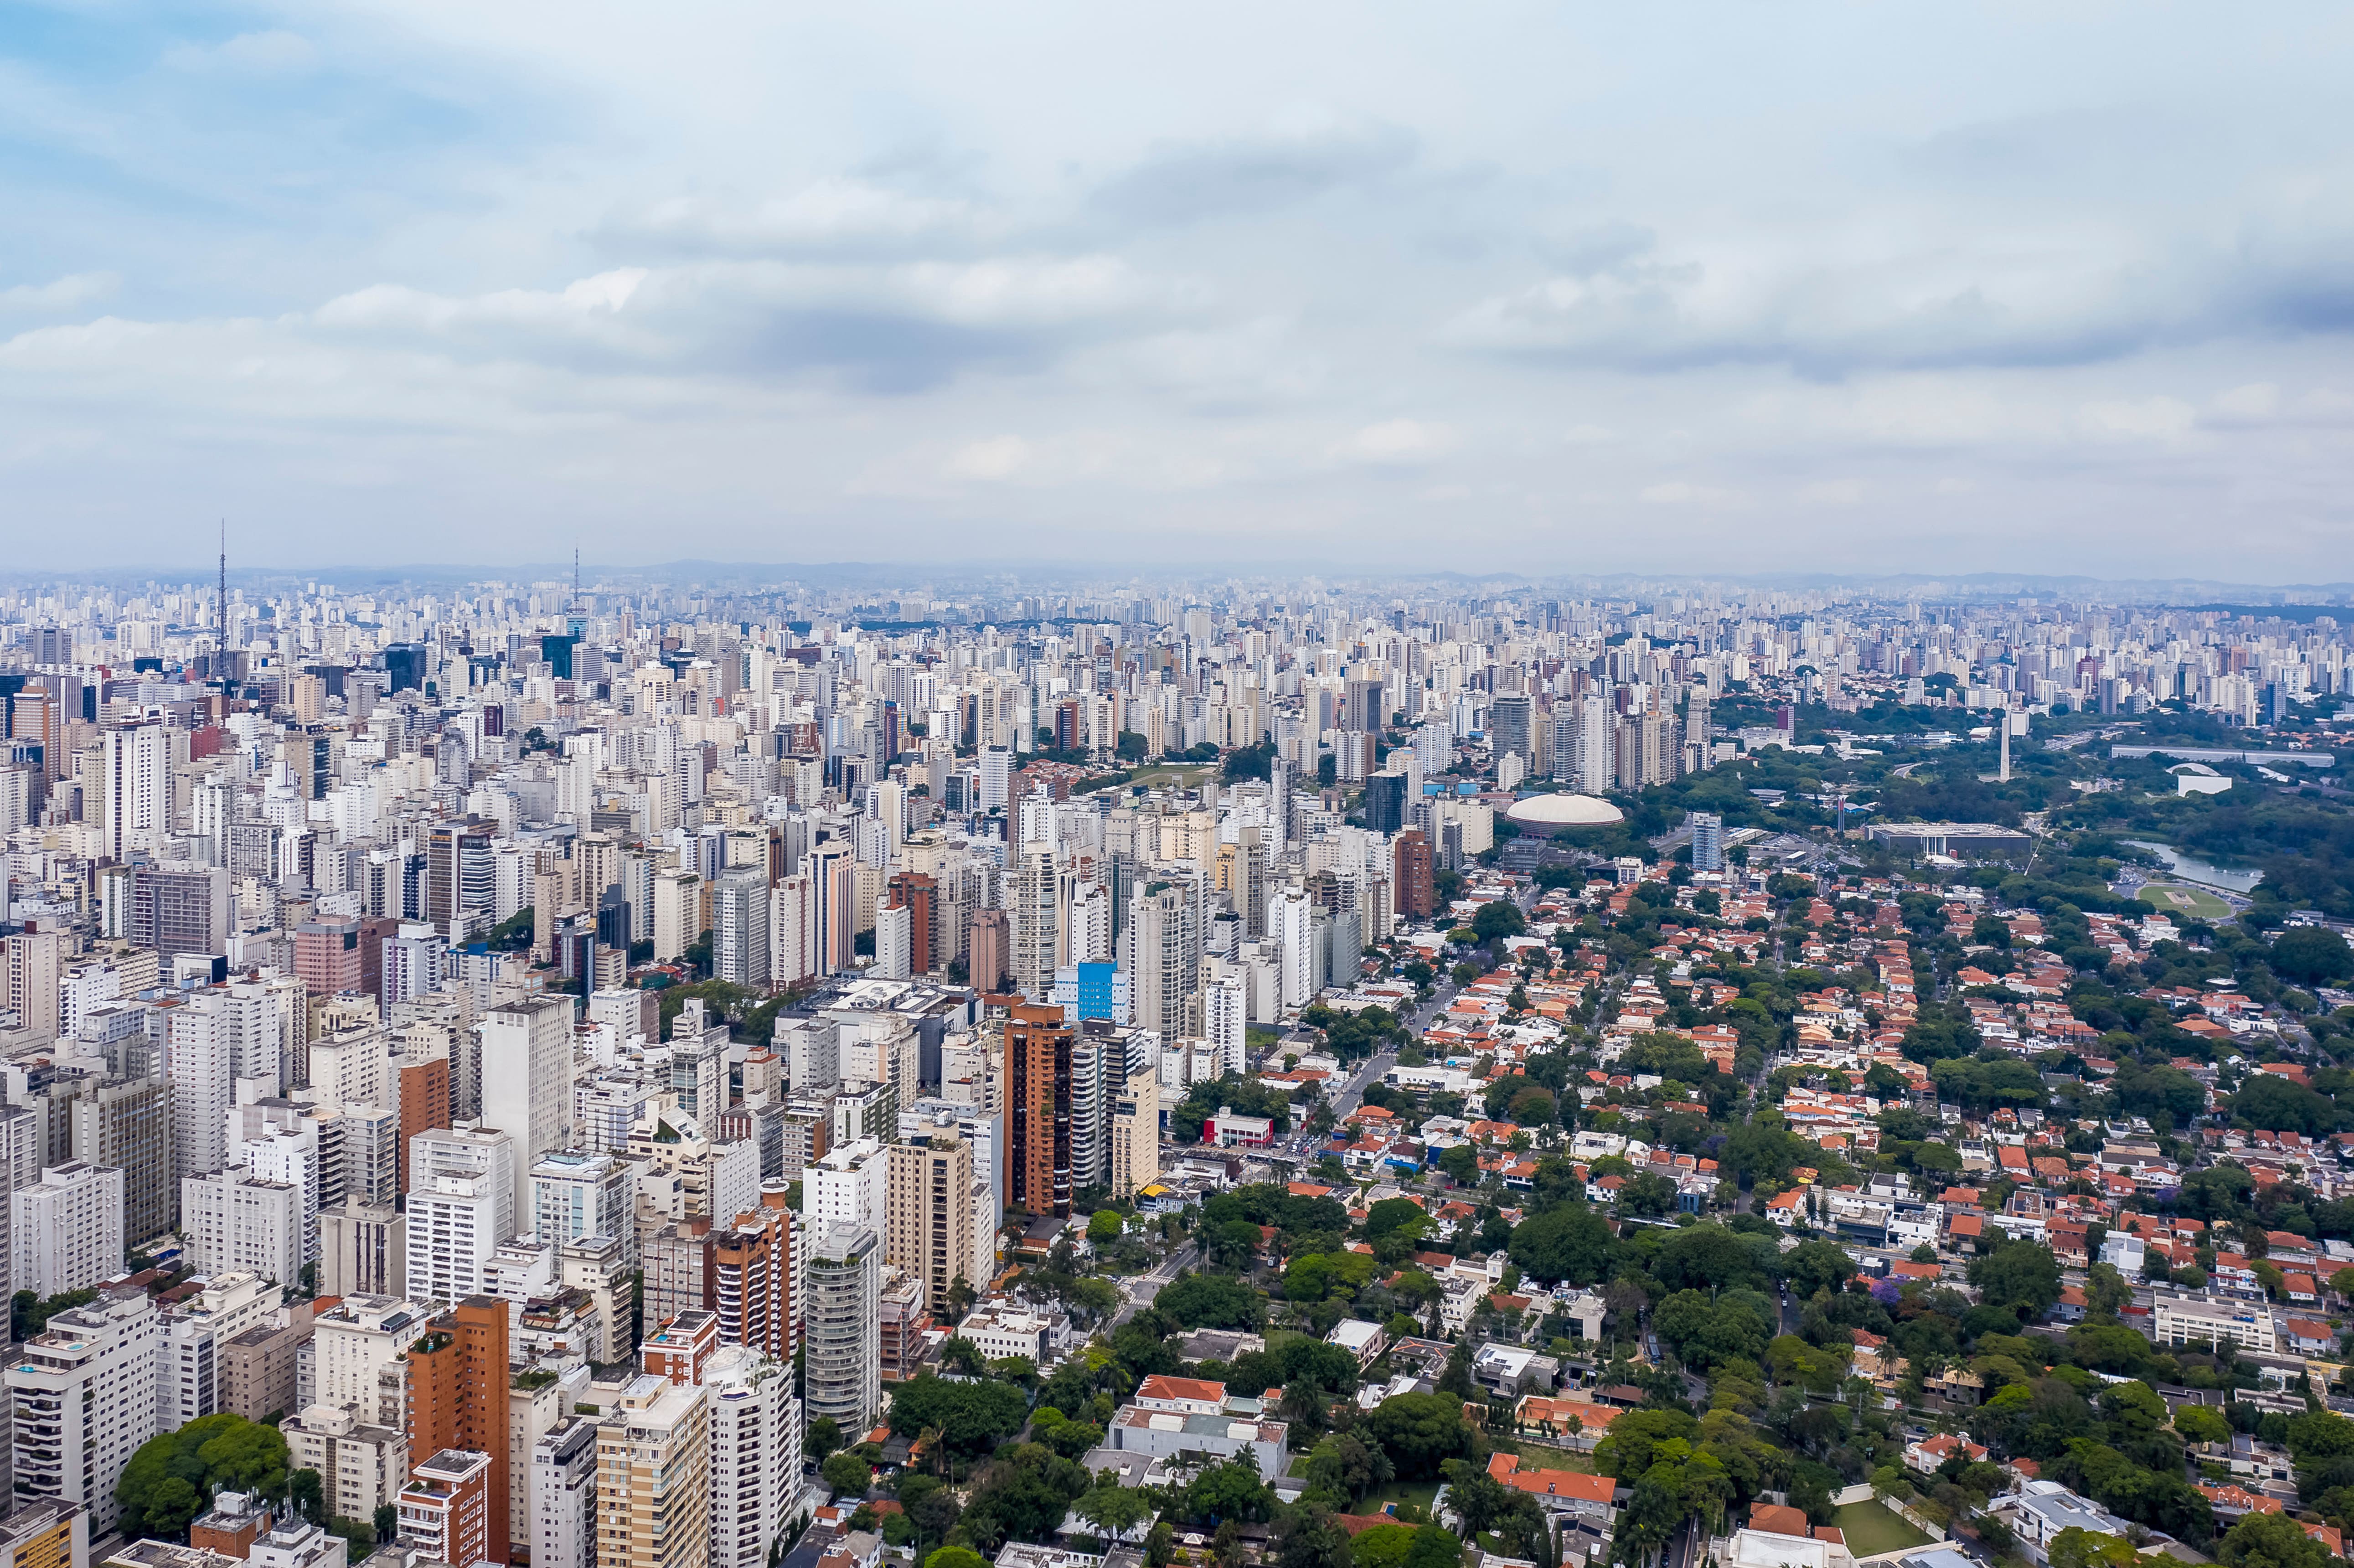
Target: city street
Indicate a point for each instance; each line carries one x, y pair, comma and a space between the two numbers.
1144, 1288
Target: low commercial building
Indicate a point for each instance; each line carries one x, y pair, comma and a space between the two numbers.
1165, 1432
998, 1332
2210, 1320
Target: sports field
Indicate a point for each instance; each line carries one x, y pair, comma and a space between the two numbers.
1872, 1528
2175, 898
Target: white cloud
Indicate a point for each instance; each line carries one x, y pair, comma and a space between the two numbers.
1000, 457
483, 265
65, 294
1398, 441
1681, 493
274, 52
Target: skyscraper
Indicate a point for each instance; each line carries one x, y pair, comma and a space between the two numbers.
1035, 920
740, 927
1038, 1102
1510, 727
928, 1213
1708, 841
457, 1400
842, 1353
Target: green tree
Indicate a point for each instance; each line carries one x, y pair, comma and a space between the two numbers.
972, 1418
2018, 1275
2311, 955
1114, 1510
1500, 918
956, 1557
1307, 1538
1105, 1225
2200, 1424
169, 1478
1569, 1242
2271, 1541
848, 1475
1419, 1431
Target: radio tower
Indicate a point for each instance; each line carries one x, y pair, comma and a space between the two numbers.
221, 631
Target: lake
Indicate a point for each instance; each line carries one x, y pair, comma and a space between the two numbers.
2189, 868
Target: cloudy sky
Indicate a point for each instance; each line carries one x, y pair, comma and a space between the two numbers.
1706, 287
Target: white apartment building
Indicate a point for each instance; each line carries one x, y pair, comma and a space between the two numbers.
361, 1466
235, 1220
756, 1454
189, 1376
575, 1194
461, 1207
66, 1230
82, 1400
842, 1360
850, 1186
526, 1053
564, 1496
354, 1339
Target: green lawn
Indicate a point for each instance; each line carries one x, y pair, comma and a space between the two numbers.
2175, 898
1537, 1456
1871, 1528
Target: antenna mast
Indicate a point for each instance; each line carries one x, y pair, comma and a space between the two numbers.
221, 630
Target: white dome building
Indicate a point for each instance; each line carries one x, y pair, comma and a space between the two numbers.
1549, 813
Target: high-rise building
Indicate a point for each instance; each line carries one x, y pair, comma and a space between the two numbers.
177, 909
653, 1477
82, 1397
1707, 841
929, 1214
133, 808
842, 1329
850, 1186
740, 927
1385, 802
526, 1055
987, 949
456, 1399
460, 879
67, 1229
894, 943
564, 1496
362, 1250
1038, 1104
1413, 875
125, 1123
446, 1512
362, 1466
197, 1334
461, 1207
235, 1220
756, 1456
752, 1275
1166, 947
1034, 918
918, 894
1136, 1133
576, 1195
1512, 730
678, 914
